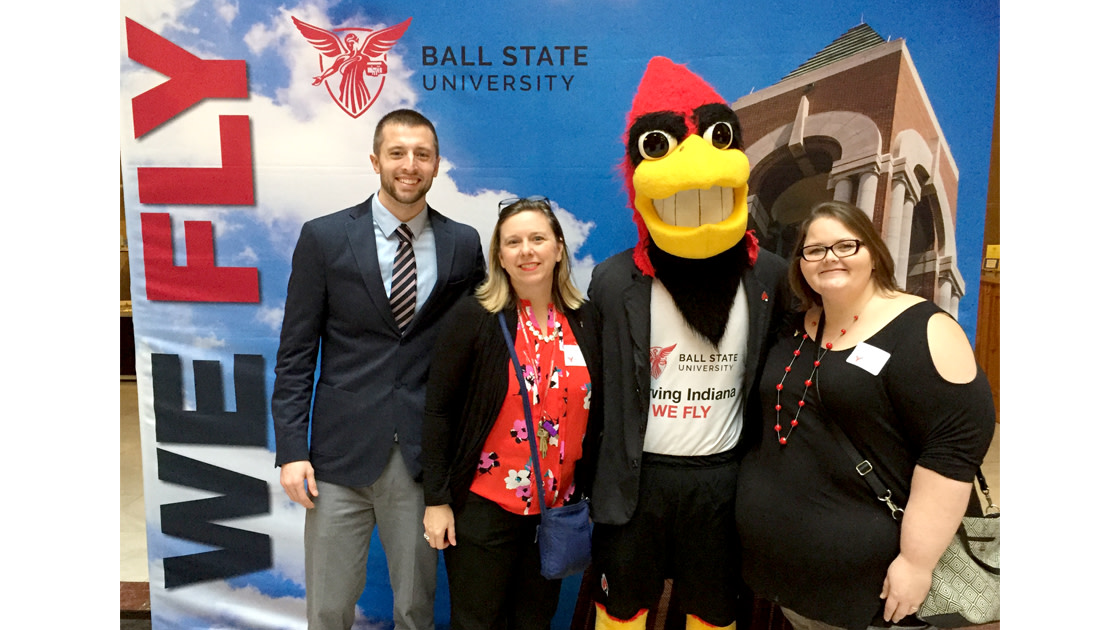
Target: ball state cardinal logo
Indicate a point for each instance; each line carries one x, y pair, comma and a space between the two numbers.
347, 56
658, 359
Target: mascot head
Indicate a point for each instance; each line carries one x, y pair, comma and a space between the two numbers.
685, 170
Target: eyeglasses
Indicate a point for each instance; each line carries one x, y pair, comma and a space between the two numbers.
505, 203
842, 249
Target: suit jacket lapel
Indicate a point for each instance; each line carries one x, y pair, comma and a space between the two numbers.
636, 300
758, 311
363, 244
445, 253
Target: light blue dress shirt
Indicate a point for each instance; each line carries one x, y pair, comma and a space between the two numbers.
423, 244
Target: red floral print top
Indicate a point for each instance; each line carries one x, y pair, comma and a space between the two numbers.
559, 387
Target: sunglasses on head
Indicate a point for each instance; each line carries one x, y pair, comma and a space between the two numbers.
506, 203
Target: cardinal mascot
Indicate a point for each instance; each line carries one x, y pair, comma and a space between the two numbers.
686, 314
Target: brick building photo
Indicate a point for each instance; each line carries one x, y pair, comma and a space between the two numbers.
853, 123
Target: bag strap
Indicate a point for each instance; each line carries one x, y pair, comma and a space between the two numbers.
530, 425
987, 494
864, 467
867, 471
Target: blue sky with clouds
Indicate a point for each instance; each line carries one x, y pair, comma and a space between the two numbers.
311, 158
566, 144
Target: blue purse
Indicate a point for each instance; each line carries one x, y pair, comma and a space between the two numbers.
564, 535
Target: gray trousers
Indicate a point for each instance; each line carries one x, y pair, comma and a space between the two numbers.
336, 540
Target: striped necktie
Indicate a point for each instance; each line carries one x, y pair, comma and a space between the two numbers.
402, 300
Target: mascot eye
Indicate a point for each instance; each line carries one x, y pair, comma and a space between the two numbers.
654, 145
721, 135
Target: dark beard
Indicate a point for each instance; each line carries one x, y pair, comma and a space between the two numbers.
703, 289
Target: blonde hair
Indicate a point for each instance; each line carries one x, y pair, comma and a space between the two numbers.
496, 293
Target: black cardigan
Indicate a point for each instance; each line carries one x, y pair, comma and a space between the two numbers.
466, 387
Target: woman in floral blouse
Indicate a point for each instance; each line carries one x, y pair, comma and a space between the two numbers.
483, 507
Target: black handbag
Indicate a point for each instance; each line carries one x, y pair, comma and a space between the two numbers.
564, 535
965, 586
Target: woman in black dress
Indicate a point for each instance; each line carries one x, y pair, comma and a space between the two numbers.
897, 375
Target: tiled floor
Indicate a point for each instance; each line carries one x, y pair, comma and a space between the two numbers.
134, 549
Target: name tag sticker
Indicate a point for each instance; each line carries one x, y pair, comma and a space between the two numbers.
869, 358
573, 357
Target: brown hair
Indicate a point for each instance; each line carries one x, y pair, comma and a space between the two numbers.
407, 118
496, 293
853, 218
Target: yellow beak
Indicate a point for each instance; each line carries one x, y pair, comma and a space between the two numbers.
694, 200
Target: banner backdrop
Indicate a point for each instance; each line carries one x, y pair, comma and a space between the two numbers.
241, 120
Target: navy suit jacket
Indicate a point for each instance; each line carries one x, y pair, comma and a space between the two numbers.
339, 340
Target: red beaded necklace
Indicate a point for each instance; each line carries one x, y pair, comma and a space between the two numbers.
782, 439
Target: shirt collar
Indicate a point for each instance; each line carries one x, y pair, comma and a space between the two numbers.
387, 223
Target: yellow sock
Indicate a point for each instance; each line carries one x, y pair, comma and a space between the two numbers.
603, 621
692, 622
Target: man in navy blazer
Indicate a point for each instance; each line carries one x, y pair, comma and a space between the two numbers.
361, 465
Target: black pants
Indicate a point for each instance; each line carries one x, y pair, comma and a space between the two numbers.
683, 529
494, 571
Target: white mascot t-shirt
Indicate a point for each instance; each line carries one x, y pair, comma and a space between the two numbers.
695, 388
